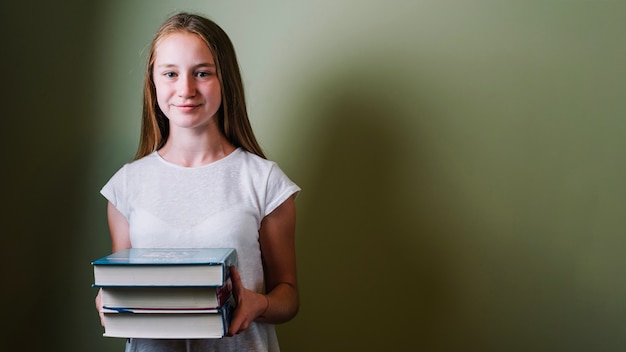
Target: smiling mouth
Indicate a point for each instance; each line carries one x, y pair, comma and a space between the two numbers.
187, 107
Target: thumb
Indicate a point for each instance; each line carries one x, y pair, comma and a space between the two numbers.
236, 280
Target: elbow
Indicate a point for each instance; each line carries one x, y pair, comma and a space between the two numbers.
290, 310
294, 309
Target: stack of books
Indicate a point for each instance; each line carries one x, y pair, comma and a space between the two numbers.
166, 292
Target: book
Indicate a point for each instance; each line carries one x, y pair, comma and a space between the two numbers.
165, 267
168, 324
163, 297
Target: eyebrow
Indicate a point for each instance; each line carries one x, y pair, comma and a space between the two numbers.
201, 65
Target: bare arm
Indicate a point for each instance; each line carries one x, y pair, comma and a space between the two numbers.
120, 239
278, 251
118, 228
278, 248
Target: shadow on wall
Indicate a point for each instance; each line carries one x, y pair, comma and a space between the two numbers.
375, 270
50, 138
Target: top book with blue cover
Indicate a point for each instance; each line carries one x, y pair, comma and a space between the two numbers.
165, 267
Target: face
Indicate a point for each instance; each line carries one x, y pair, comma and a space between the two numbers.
187, 88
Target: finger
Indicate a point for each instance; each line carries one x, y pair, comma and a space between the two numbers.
234, 274
242, 328
237, 325
101, 318
235, 322
236, 281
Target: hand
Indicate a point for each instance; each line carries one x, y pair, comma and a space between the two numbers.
250, 305
99, 306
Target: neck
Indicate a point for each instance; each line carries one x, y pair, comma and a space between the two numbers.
194, 153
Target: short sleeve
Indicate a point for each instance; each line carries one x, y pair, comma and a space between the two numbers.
279, 188
115, 191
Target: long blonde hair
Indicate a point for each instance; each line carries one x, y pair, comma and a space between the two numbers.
232, 116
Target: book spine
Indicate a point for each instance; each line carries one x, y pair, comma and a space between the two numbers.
230, 260
227, 315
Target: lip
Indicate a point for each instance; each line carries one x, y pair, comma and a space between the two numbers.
187, 107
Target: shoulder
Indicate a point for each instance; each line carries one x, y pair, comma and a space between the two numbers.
136, 167
147, 161
265, 171
254, 161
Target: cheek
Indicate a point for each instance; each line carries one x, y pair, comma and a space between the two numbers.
162, 97
216, 92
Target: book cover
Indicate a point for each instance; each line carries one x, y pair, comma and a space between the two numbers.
150, 297
165, 267
168, 324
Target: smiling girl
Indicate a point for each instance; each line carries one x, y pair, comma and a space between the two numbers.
200, 179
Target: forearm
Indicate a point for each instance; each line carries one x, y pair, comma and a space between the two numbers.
281, 304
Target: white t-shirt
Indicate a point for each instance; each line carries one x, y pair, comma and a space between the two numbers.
220, 204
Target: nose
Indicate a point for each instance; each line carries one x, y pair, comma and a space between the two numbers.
186, 87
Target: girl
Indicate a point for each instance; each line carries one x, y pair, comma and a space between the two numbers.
200, 179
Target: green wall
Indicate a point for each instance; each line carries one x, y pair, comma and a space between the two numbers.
462, 165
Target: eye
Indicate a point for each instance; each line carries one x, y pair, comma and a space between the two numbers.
169, 74
203, 74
